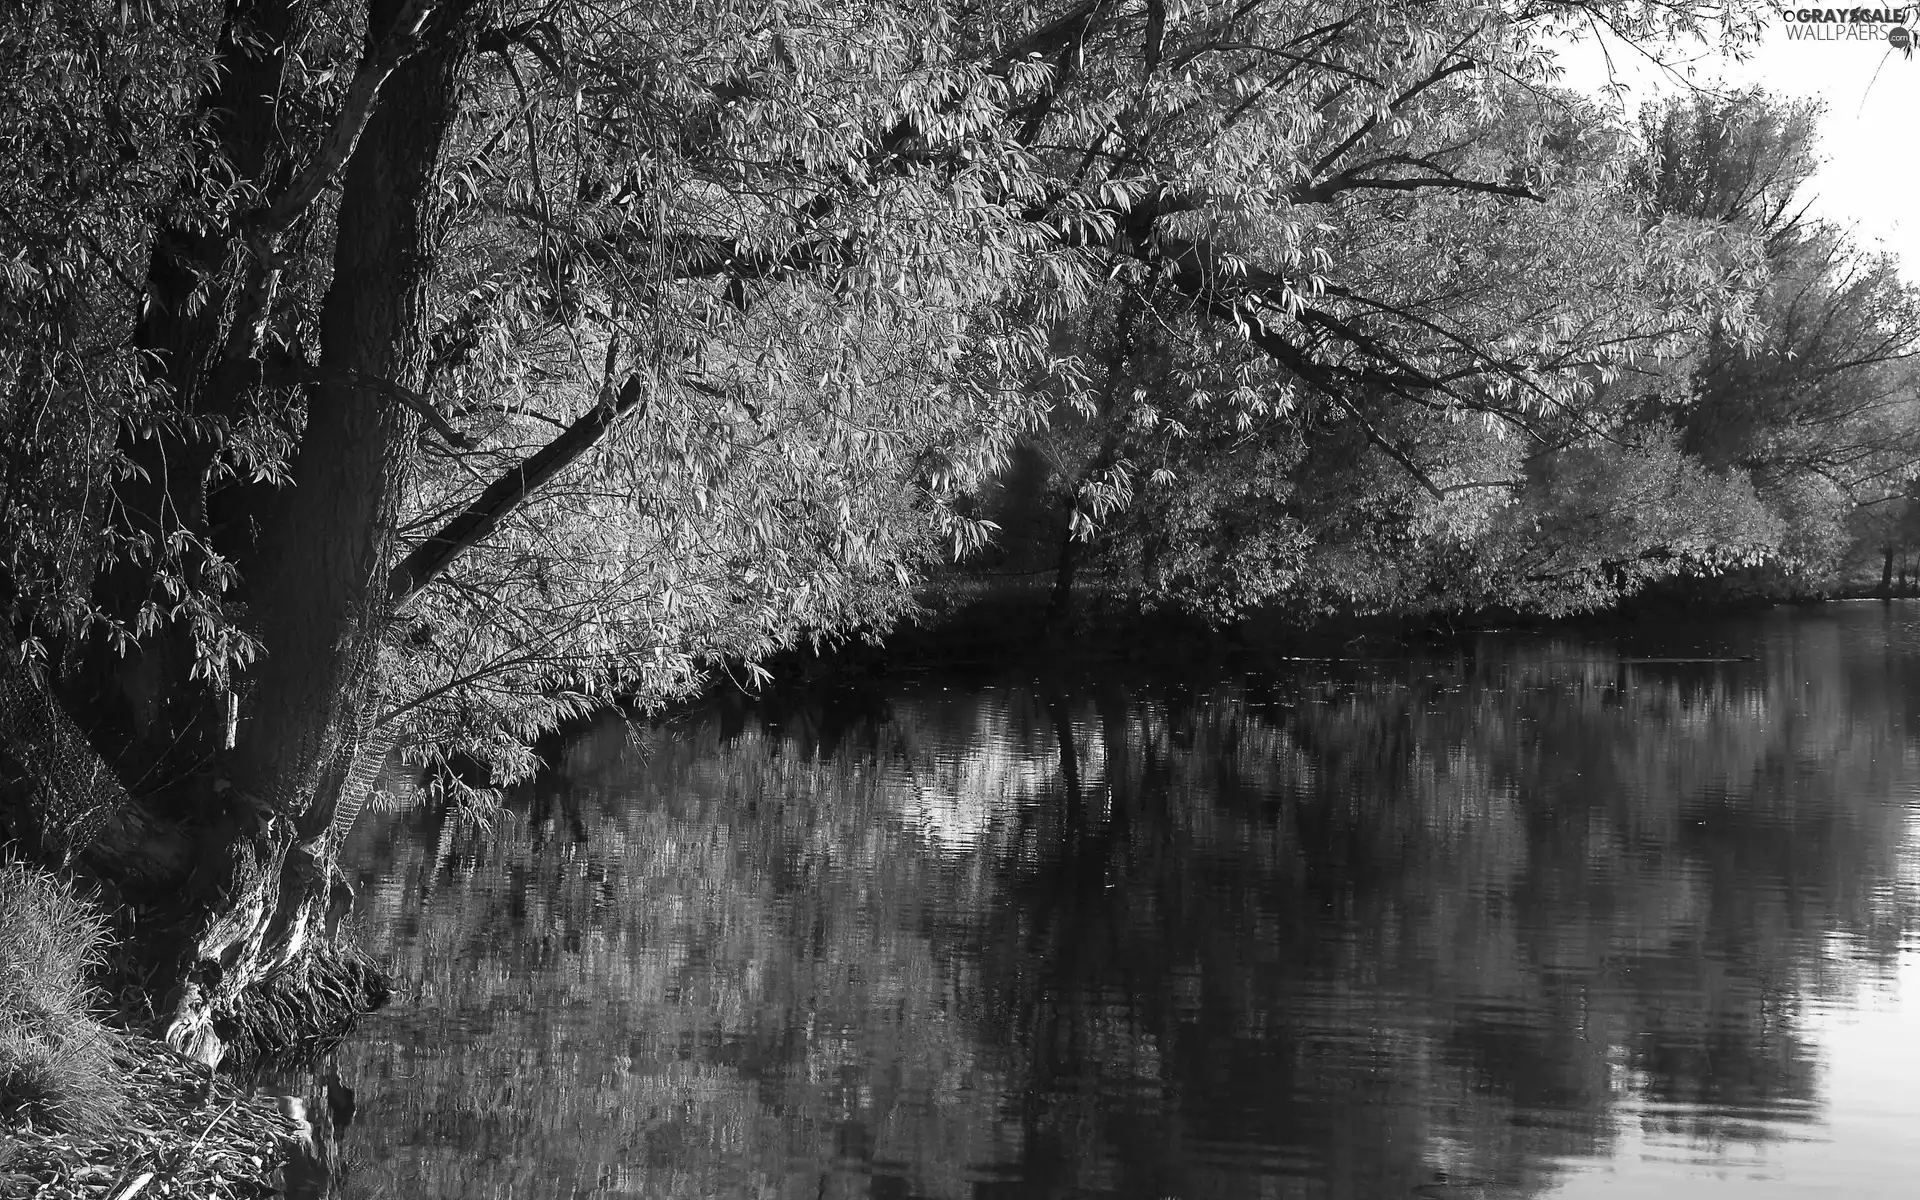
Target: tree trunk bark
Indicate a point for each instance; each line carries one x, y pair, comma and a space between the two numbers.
64, 804
269, 888
1060, 603
1886, 574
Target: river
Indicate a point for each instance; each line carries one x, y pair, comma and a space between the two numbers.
1624, 913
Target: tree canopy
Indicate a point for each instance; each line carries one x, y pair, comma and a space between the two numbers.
1716, 383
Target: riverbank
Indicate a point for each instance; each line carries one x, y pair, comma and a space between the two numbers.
970, 619
180, 1132
975, 631
90, 1111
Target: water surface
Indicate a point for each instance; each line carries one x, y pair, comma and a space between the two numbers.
1534, 915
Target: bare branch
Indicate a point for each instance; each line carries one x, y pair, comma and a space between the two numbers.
504, 495
1345, 182
1353, 139
406, 397
289, 372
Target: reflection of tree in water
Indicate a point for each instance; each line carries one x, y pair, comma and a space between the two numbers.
1340, 930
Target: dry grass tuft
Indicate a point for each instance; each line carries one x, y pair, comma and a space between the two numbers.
56, 1058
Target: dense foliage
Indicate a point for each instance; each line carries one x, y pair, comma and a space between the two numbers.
1730, 390
435, 371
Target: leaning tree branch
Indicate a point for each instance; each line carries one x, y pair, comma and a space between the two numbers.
403, 396
490, 509
1195, 277
1320, 193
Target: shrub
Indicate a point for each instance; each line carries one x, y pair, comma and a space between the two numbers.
56, 1058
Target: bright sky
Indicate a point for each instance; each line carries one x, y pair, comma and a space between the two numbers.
1870, 137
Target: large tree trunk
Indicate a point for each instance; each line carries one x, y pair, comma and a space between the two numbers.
321, 605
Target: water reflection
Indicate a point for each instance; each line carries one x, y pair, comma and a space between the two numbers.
1498, 923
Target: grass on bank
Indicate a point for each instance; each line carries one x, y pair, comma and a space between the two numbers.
56, 1058
89, 1111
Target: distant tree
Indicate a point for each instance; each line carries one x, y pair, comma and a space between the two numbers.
1821, 408
1220, 473
1775, 411
1881, 534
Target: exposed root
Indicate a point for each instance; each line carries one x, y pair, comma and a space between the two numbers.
305, 1010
